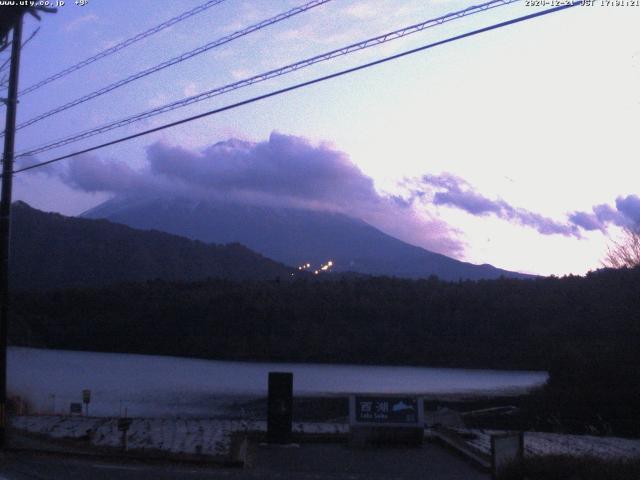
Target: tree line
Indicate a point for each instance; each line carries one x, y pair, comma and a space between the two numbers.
584, 330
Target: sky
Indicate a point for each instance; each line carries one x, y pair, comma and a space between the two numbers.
517, 147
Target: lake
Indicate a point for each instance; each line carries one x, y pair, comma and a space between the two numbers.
149, 385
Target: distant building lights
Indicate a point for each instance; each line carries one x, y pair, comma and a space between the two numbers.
324, 267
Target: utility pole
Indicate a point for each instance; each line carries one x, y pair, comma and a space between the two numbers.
10, 20
5, 217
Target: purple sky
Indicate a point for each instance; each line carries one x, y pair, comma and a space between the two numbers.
516, 148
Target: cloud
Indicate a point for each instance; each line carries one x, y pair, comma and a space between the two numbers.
629, 208
585, 220
286, 171
91, 174
78, 22
241, 73
626, 213
190, 89
361, 11
284, 167
455, 192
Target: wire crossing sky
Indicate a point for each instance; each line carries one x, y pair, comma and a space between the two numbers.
354, 47
175, 60
301, 85
509, 142
124, 44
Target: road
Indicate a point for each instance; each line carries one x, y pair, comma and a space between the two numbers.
306, 462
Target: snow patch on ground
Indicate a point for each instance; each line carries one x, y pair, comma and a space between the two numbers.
193, 436
213, 437
542, 443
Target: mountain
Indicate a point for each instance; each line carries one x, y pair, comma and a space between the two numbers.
293, 236
49, 249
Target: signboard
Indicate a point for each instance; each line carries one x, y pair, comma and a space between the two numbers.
86, 396
124, 424
506, 448
386, 410
75, 409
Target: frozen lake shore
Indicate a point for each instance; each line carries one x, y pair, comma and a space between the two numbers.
155, 386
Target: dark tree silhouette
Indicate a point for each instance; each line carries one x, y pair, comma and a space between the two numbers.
625, 252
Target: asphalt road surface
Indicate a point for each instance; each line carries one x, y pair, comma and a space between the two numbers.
306, 462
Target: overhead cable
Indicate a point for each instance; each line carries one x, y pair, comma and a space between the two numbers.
173, 61
380, 39
123, 44
301, 85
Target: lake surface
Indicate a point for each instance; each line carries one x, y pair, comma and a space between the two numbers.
148, 385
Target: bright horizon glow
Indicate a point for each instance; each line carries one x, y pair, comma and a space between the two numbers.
540, 115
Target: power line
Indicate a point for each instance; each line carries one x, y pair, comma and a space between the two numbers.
272, 74
180, 58
5, 65
301, 85
123, 44
33, 34
4, 81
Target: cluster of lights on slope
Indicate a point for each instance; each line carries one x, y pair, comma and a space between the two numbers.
325, 267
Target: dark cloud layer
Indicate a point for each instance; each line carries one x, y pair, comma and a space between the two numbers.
283, 167
291, 172
625, 214
455, 192
283, 171
93, 174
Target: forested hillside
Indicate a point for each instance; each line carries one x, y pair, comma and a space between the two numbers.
51, 250
584, 331
495, 323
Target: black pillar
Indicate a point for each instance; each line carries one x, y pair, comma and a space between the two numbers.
280, 407
5, 217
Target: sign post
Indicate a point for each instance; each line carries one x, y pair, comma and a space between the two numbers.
123, 425
86, 398
386, 419
506, 449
